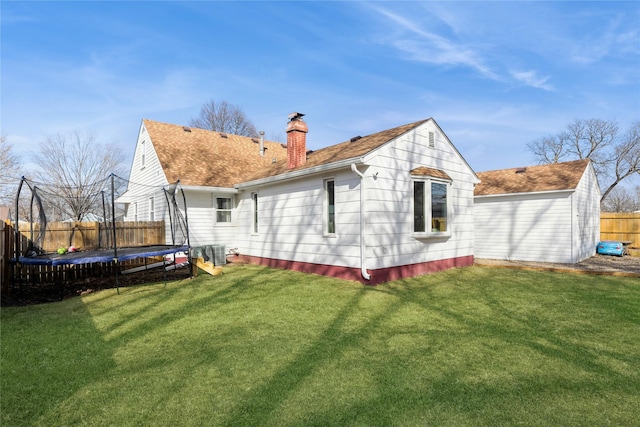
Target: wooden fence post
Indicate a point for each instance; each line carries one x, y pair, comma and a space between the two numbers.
5, 256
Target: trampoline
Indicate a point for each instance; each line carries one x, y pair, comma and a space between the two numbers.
102, 255
43, 202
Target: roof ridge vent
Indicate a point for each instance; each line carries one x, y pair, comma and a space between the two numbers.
521, 170
355, 138
186, 128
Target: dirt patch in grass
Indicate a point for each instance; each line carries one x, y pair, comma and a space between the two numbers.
597, 264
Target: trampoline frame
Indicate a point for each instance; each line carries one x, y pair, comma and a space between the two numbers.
113, 255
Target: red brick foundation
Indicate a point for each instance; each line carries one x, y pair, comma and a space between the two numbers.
377, 276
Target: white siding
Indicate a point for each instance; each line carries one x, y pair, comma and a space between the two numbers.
560, 227
291, 213
587, 227
533, 227
290, 224
203, 229
142, 179
389, 194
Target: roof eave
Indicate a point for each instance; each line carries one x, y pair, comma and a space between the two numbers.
205, 189
567, 190
287, 176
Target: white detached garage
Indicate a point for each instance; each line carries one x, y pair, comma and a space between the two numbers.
546, 213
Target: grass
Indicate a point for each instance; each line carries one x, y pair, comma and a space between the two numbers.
257, 346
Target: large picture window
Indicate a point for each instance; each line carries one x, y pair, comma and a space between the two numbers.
330, 206
224, 206
430, 207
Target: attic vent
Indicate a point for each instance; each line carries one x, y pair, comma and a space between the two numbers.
186, 128
309, 152
355, 138
283, 145
432, 139
273, 160
223, 135
255, 141
521, 170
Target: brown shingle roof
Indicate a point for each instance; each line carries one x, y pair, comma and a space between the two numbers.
204, 158
434, 173
343, 151
551, 177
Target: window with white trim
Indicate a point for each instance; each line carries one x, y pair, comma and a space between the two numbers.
143, 155
431, 207
329, 207
152, 209
223, 206
254, 202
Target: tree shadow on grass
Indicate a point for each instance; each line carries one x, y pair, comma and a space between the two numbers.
459, 390
49, 353
450, 390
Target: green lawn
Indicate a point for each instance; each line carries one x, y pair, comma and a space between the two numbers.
256, 346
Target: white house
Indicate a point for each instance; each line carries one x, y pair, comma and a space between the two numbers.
207, 164
546, 213
392, 204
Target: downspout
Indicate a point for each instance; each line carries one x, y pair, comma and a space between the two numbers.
363, 245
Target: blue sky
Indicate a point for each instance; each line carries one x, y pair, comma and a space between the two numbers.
494, 75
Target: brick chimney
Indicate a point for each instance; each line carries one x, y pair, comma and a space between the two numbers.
296, 141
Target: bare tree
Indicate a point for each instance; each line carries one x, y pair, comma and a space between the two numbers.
9, 165
76, 170
548, 149
627, 158
614, 157
619, 200
224, 117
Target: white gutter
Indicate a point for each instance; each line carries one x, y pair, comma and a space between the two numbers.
299, 173
363, 245
533, 193
217, 190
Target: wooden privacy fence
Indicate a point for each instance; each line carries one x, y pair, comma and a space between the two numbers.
620, 227
83, 236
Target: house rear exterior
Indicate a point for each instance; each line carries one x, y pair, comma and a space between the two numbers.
546, 213
388, 205
392, 204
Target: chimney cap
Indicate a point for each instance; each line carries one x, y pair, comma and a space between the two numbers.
295, 116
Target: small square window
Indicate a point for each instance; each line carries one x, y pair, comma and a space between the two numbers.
223, 209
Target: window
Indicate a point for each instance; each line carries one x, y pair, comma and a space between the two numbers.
152, 209
223, 209
430, 207
419, 218
330, 206
143, 150
254, 198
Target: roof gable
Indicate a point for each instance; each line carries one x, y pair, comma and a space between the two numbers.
354, 148
532, 179
201, 157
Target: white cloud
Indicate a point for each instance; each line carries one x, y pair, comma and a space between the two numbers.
531, 78
435, 49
